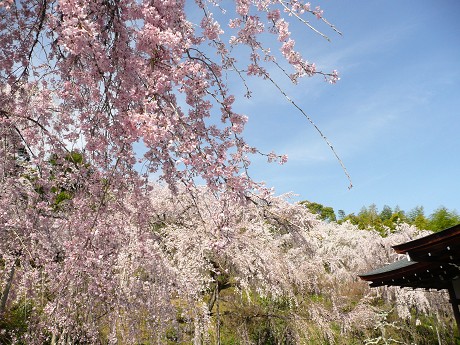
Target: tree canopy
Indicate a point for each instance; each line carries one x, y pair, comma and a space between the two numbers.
89, 235
388, 218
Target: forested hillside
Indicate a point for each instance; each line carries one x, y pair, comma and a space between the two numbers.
388, 219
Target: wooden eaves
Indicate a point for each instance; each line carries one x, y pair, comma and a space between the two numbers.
430, 262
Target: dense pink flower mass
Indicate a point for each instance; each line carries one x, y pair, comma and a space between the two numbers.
102, 75
95, 250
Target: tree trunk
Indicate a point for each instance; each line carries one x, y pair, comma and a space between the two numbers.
217, 314
6, 291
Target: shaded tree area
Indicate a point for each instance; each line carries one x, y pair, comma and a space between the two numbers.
388, 218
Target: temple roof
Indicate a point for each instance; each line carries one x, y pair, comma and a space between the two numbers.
402, 264
431, 262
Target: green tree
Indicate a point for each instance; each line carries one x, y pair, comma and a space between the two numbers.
442, 219
386, 213
387, 218
416, 217
368, 217
398, 216
352, 218
325, 213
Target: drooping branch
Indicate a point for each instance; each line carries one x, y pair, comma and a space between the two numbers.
289, 99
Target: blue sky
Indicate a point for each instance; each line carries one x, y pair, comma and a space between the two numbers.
393, 118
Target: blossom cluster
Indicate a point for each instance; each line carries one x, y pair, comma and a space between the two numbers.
115, 257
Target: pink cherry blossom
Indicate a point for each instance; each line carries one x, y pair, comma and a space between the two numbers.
85, 234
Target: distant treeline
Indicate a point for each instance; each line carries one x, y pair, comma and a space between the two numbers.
387, 218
